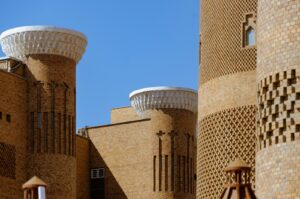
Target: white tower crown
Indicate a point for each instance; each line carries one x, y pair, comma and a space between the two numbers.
30, 40
164, 97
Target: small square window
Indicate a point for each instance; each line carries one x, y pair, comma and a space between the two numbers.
8, 118
97, 173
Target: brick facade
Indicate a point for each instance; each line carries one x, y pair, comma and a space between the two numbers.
12, 140
226, 106
278, 93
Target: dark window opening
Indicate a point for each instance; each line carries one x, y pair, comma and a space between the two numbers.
52, 120
8, 118
39, 122
97, 183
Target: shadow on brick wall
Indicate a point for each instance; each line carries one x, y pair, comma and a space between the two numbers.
111, 187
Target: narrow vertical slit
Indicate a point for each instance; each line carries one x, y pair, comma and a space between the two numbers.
191, 175
38, 140
52, 116
52, 121
65, 117
70, 135
172, 163
45, 133
32, 136
160, 165
184, 173
178, 174
73, 136
166, 172
74, 124
59, 133
154, 172
65, 134
39, 120
187, 178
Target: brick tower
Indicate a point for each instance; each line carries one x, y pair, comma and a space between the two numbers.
278, 81
173, 123
226, 111
51, 55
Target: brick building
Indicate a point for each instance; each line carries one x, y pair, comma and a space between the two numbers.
248, 108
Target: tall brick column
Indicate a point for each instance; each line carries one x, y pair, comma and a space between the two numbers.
278, 85
173, 123
226, 111
51, 55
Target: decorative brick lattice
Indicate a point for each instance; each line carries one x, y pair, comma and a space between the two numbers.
221, 38
279, 108
224, 136
7, 161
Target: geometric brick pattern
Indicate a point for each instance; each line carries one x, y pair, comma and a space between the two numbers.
223, 137
278, 118
222, 51
7, 161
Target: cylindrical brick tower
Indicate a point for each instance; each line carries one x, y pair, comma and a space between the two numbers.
278, 86
226, 110
173, 123
51, 55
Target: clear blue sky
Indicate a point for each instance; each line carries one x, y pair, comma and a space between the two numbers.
131, 44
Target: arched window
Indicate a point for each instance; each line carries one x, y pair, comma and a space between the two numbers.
248, 31
250, 37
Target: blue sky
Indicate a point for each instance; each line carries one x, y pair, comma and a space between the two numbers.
132, 44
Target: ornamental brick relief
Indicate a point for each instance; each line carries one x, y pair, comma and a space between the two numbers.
278, 108
222, 37
7, 161
223, 137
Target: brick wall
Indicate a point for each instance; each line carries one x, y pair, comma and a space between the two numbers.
226, 102
12, 135
278, 74
123, 114
51, 113
82, 168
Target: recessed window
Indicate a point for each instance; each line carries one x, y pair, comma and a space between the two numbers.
39, 120
250, 37
8, 118
248, 30
0, 115
52, 120
97, 173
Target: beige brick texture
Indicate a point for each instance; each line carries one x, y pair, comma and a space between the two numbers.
226, 103
51, 113
278, 93
148, 158
123, 114
82, 168
12, 140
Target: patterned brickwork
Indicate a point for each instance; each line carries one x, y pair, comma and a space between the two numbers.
222, 38
7, 161
278, 81
223, 137
278, 40
279, 108
51, 106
